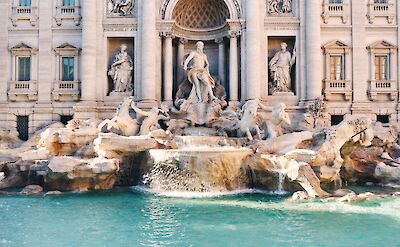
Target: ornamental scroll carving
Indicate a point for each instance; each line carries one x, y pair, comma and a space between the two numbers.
280, 6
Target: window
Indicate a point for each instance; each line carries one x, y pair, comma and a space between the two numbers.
335, 1
336, 119
23, 127
24, 68
383, 119
67, 68
65, 119
68, 2
25, 3
382, 67
337, 67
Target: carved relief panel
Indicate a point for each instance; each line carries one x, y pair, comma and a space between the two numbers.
280, 7
120, 7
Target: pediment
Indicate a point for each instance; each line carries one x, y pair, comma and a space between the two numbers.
21, 46
336, 44
381, 45
66, 46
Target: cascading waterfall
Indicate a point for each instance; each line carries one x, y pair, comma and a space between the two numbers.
194, 167
281, 178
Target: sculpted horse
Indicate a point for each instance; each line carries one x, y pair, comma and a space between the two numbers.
122, 122
249, 120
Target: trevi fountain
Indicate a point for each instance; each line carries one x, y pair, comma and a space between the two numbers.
206, 162
202, 158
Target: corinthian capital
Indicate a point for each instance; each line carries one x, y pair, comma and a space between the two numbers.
234, 33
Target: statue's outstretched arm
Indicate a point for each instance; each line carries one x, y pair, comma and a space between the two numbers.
138, 110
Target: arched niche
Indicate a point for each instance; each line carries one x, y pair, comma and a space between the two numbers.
200, 19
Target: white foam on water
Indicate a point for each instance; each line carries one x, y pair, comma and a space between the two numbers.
386, 207
192, 194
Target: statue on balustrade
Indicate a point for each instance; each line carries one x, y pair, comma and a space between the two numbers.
280, 67
121, 71
199, 76
121, 7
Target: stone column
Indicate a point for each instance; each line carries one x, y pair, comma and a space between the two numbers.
4, 62
45, 65
89, 47
149, 47
43, 109
313, 49
168, 68
361, 105
221, 60
253, 49
181, 54
233, 68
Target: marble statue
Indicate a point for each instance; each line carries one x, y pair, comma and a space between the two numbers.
249, 120
280, 66
279, 6
151, 118
122, 123
199, 76
121, 71
121, 7
279, 118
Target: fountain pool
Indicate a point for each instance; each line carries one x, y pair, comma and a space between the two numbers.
137, 218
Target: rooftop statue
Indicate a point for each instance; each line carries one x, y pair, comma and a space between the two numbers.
280, 66
121, 71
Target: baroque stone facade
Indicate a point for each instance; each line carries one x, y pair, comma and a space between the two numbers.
81, 58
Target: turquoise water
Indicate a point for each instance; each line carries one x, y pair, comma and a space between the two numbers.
133, 218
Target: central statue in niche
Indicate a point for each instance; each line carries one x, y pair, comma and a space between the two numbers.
199, 76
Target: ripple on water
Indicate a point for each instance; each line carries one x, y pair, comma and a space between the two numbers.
247, 218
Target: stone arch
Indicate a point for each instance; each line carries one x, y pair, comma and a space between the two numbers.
168, 7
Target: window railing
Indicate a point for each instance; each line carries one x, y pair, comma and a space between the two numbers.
27, 13
335, 7
22, 90
338, 10
383, 87
380, 7
385, 10
333, 88
66, 90
68, 13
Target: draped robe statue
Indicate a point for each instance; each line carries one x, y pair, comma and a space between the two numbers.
121, 71
199, 76
280, 67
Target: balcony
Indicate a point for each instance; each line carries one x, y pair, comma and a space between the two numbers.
335, 10
382, 90
381, 10
68, 13
23, 91
337, 90
24, 13
66, 91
